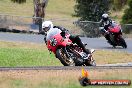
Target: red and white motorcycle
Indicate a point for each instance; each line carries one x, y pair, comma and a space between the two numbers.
68, 53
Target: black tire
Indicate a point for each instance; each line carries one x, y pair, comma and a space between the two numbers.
111, 43
123, 43
60, 54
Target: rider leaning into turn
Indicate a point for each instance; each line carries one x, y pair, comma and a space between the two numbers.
105, 22
47, 25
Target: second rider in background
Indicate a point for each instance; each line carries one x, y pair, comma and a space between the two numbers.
105, 22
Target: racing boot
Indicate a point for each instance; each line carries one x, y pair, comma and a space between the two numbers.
92, 50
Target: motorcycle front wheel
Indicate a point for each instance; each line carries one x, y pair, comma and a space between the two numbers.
61, 55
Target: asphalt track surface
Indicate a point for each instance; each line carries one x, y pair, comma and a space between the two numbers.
95, 43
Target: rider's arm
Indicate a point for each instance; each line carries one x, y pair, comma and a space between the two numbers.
45, 40
101, 26
61, 28
64, 30
110, 22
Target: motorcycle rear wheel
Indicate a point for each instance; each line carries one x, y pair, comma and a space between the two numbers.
90, 63
61, 55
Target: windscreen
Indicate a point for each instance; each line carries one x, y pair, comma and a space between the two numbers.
52, 32
113, 24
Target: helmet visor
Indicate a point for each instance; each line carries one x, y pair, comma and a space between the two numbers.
105, 19
46, 29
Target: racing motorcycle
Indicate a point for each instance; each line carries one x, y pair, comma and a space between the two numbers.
68, 53
115, 35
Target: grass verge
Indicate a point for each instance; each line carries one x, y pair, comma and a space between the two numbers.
59, 78
31, 54
55, 8
25, 54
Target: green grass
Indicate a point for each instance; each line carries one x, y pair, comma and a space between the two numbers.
55, 8
12, 57
23, 54
18, 83
30, 54
8, 7
14, 54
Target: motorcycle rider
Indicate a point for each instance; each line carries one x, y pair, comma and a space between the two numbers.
48, 25
105, 22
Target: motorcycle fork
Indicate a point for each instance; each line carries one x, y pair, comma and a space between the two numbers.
65, 50
113, 39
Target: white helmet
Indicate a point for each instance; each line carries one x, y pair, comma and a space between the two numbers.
105, 17
48, 24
